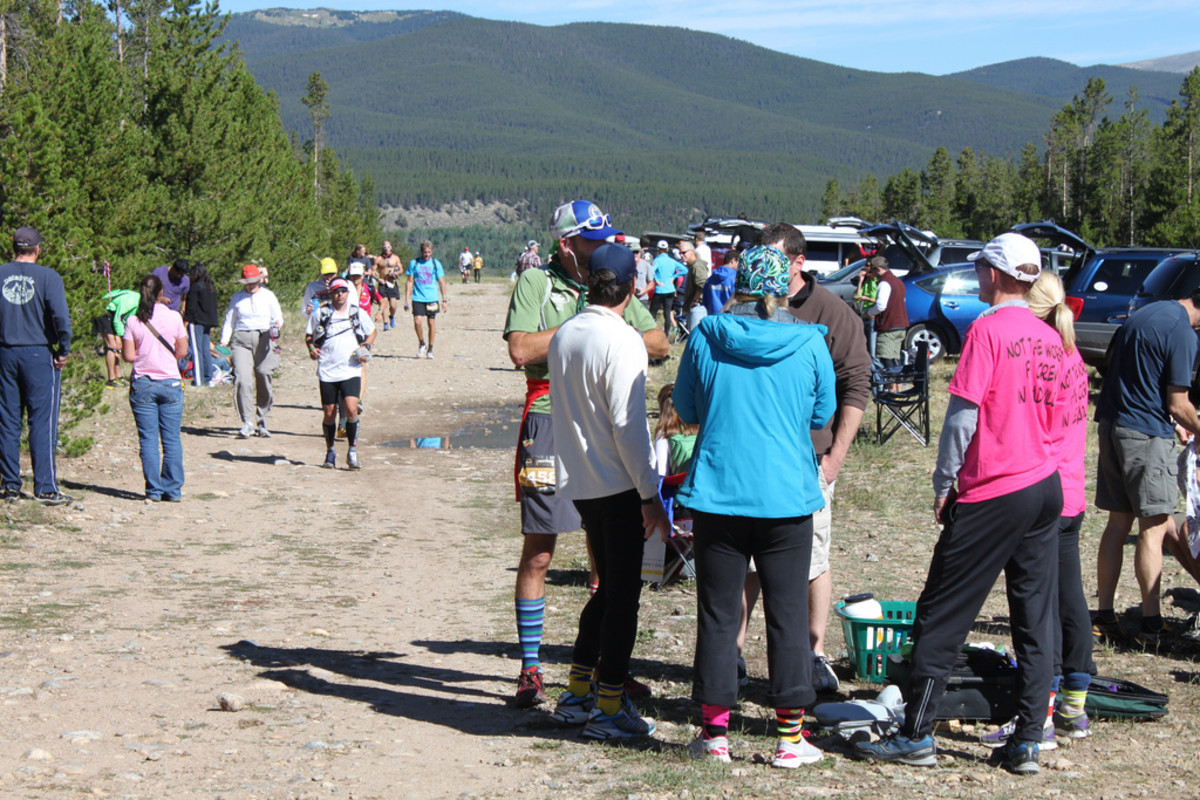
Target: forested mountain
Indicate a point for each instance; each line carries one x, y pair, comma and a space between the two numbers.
1059, 81
659, 124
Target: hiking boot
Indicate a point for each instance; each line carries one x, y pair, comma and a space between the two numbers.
421, 350
824, 679
573, 709
621, 725
246, 432
529, 689
1075, 727
790, 755
714, 749
900, 750
352, 460
1002, 736
53, 499
330, 459
1020, 758
1106, 630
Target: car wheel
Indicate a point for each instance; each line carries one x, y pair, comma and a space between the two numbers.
928, 334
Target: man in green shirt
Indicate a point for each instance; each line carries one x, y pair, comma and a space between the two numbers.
541, 301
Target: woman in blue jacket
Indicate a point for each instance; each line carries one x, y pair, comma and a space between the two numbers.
756, 379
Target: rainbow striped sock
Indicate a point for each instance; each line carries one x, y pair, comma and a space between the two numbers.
531, 616
790, 722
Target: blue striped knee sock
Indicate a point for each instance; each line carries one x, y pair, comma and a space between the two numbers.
531, 615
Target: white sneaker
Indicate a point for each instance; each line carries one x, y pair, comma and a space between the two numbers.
246, 432
824, 679
714, 749
421, 350
429, 353
790, 755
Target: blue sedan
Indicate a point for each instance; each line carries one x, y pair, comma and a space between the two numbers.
941, 305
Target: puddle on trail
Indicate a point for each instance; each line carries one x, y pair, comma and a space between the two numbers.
489, 429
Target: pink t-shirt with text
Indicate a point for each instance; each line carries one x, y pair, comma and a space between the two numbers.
1010, 367
153, 360
1069, 431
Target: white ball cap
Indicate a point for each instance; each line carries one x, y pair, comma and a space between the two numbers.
1007, 252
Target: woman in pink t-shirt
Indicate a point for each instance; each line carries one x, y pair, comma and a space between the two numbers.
1073, 635
155, 340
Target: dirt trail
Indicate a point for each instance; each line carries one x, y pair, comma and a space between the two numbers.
360, 616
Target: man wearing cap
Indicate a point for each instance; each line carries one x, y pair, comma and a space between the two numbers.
316, 293
339, 338
604, 464
529, 259
542, 300
175, 284
811, 302
1003, 514
251, 328
35, 338
664, 286
389, 269
425, 290
889, 313
1143, 405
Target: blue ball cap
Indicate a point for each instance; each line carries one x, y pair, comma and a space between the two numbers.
581, 218
615, 258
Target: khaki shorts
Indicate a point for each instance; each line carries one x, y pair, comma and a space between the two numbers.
889, 344
1136, 472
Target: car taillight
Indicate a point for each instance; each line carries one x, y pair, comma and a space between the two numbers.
1075, 304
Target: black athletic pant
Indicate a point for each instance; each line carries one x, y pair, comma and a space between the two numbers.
1017, 534
782, 550
1073, 634
665, 302
608, 623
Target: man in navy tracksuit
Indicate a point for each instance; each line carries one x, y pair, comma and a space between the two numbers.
35, 337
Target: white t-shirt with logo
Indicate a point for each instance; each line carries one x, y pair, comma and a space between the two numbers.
335, 363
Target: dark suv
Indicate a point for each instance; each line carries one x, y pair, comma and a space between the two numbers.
1175, 278
1100, 284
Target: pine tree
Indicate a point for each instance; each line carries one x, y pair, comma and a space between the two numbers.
318, 109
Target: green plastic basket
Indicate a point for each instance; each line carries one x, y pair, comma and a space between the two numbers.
871, 641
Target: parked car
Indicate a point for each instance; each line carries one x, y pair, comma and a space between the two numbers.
1174, 278
907, 250
941, 305
1100, 283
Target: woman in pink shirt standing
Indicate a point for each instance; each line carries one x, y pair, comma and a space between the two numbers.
155, 340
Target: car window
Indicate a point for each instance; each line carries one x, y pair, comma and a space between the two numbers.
962, 282
953, 253
932, 284
1121, 275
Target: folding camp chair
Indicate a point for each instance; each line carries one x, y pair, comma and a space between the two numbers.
680, 562
902, 399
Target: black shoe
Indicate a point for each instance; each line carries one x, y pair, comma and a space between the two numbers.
1152, 636
1107, 629
1020, 758
12, 495
53, 499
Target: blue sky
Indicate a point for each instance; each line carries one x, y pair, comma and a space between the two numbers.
932, 36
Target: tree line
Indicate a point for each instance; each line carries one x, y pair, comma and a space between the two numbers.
130, 136
1122, 181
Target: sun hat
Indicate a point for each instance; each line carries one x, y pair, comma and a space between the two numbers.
616, 259
328, 266
583, 219
1007, 252
763, 271
251, 274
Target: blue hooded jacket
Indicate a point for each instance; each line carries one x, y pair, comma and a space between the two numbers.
756, 388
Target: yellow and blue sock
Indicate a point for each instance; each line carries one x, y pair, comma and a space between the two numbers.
579, 682
531, 616
608, 697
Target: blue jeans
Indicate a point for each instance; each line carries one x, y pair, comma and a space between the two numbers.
202, 360
158, 413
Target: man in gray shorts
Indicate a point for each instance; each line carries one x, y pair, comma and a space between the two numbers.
1143, 403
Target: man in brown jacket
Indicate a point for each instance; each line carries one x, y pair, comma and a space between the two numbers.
811, 302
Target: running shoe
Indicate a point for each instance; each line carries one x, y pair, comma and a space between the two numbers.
529, 689
12, 495
352, 460
1000, 737
1105, 629
421, 350
246, 432
1075, 727
714, 749
330, 459
1018, 757
573, 709
112, 385
263, 432
636, 690
621, 725
53, 499
1152, 636
899, 749
429, 354
824, 679
341, 432
790, 755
